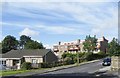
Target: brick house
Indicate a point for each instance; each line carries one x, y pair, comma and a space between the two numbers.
73, 46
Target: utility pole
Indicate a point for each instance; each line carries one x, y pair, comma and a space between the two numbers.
77, 51
77, 57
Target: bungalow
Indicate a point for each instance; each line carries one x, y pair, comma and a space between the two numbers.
17, 57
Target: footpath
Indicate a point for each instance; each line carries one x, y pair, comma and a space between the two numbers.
107, 71
41, 71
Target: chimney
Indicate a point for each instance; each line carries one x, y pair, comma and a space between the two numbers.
103, 38
59, 43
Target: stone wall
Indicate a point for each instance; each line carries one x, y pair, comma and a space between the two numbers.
115, 63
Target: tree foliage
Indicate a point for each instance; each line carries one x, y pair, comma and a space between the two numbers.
90, 43
33, 45
0, 45
114, 47
27, 43
9, 43
23, 40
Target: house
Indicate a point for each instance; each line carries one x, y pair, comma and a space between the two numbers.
17, 57
2, 61
77, 45
102, 44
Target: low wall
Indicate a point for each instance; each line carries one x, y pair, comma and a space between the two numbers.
115, 63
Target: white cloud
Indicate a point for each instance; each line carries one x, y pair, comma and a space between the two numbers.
102, 18
60, 1
14, 24
29, 32
60, 29
69, 30
47, 46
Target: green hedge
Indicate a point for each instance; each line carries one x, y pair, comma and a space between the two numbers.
83, 56
55, 64
26, 66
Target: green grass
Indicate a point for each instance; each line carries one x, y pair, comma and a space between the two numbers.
11, 72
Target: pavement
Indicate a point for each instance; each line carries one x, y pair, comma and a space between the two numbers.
92, 69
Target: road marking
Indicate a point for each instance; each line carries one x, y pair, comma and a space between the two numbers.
98, 75
105, 68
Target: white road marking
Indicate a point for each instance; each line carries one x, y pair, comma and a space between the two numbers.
105, 68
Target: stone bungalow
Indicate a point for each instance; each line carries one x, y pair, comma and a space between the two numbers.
17, 57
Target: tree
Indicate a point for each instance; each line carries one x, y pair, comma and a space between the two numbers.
23, 40
27, 43
33, 45
9, 43
114, 47
0, 45
90, 43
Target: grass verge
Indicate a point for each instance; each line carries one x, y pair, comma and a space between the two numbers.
11, 72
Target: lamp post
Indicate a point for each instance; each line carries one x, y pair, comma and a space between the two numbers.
77, 57
76, 49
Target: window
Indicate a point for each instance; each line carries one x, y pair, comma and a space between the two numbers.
3, 62
34, 61
66, 47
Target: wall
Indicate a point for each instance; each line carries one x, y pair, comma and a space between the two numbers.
29, 59
9, 62
115, 63
104, 46
50, 57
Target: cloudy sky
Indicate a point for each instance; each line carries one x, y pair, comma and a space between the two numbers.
51, 22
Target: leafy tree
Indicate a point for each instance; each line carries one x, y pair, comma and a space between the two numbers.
23, 40
27, 43
90, 43
33, 45
9, 43
114, 47
0, 45
64, 55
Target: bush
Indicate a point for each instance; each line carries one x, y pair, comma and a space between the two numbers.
46, 65
68, 61
49, 65
55, 64
89, 56
26, 66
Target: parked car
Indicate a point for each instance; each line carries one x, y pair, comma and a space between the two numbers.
2, 67
106, 61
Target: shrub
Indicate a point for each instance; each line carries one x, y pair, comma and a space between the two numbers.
89, 56
26, 66
68, 61
46, 65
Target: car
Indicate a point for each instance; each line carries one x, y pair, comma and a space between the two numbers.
2, 67
106, 62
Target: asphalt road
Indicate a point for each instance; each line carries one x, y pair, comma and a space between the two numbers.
83, 71
87, 68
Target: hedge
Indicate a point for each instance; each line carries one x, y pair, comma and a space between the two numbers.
26, 66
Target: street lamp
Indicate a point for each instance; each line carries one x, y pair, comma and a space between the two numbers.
76, 49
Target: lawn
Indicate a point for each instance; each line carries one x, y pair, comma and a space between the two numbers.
11, 72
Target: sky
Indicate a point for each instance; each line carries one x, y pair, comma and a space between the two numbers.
51, 22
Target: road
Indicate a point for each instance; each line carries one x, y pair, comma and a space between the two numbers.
90, 70
87, 68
